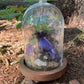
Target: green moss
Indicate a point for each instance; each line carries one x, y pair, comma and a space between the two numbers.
39, 67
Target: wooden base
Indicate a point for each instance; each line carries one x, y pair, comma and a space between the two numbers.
42, 75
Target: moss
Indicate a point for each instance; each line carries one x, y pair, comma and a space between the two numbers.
39, 67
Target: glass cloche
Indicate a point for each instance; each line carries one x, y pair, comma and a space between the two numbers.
43, 27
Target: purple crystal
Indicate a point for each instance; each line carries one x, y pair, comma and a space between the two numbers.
29, 49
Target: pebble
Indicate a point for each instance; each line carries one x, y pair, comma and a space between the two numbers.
40, 63
27, 81
45, 57
74, 82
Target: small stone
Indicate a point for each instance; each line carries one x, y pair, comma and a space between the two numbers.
45, 57
27, 81
38, 62
74, 82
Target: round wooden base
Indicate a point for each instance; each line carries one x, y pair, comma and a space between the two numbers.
43, 75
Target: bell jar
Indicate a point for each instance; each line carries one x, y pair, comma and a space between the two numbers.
43, 29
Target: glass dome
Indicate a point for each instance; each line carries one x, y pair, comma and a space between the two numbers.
43, 27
